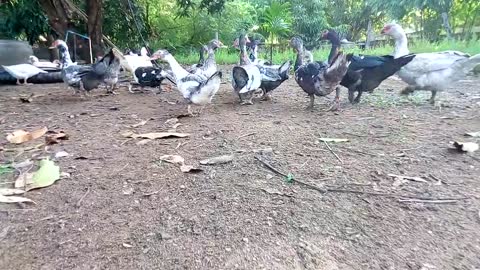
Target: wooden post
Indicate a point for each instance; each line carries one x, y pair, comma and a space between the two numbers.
369, 35
446, 25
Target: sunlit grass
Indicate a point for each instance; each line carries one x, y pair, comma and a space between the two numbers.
230, 56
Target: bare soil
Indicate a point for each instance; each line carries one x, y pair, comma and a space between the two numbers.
122, 208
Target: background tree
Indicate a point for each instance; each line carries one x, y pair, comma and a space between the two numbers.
309, 21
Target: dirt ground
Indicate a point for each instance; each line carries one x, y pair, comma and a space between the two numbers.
122, 208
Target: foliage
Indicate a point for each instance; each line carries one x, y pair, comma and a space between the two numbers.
187, 7
182, 25
275, 21
309, 20
21, 17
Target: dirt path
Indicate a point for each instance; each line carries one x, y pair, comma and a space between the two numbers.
124, 209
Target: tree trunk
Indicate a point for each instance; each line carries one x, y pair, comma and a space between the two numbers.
94, 25
369, 35
446, 25
60, 15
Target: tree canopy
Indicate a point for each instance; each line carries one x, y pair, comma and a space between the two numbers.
184, 24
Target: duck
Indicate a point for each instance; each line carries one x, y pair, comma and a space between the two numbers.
55, 65
201, 61
113, 69
86, 78
246, 78
272, 75
23, 72
132, 61
209, 66
434, 72
319, 78
197, 89
365, 72
150, 77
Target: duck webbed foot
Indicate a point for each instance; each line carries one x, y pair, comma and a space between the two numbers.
336, 102
266, 96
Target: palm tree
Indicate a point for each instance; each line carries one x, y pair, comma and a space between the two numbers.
275, 22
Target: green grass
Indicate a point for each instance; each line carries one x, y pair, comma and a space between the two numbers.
230, 56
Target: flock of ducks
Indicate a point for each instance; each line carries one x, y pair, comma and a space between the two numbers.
199, 83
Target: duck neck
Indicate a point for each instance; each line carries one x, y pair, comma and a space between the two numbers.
299, 60
65, 59
335, 41
401, 45
202, 57
177, 69
244, 60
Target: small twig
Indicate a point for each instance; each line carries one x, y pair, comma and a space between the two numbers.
83, 197
247, 135
331, 151
427, 201
127, 140
402, 198
123, 168
273, 169
410, 149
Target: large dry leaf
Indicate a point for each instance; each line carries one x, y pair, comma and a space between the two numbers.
54, 137
21, 136
10, 191
473, 134
14, 199
160, 135
190, 169
46, 175
217, 160
469, 147
333, 140
175, 159
139, 124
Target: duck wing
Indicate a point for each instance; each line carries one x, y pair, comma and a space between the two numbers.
430, 62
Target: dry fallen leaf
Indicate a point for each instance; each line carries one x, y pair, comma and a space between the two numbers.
160, 135
473, 134
175, 159
139, 124
190, 169
26, 99
53, 137
10, 191
411, 178
217, 160
21, 136
469, 147
143, 142
333, 140
14, 199
171, 121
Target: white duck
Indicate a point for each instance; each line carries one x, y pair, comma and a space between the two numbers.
23, 72
429, 71
246, 78
133, 61
198, 89
44, 64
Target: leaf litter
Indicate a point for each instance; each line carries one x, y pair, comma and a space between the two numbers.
20, 136
179, 160
47, 174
